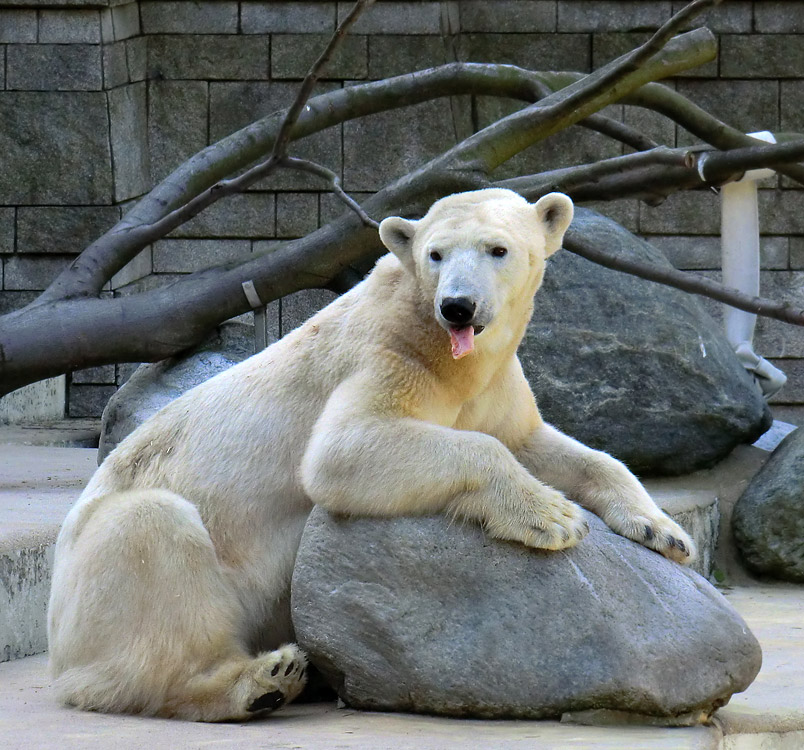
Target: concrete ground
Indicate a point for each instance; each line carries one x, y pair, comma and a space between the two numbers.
38, 485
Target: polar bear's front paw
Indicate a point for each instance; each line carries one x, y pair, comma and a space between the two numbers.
662, 534
546, 521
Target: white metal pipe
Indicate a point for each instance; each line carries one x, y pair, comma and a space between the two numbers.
739, 236
739, 231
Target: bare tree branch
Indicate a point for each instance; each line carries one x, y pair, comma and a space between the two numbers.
618, 131
655, 173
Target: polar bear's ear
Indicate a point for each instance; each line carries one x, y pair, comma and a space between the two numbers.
397, 235
555, 213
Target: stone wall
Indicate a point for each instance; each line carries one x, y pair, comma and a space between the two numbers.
100, 100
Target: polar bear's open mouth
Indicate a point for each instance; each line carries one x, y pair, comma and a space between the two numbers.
463, 339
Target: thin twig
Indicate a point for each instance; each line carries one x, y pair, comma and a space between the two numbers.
335, 183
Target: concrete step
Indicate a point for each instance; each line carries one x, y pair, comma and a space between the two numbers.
768, 716
37, 487
65, 433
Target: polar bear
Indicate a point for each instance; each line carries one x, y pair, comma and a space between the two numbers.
405, 396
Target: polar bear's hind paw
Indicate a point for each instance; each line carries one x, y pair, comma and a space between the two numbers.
277, 678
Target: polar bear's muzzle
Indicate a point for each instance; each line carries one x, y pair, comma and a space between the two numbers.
459, 313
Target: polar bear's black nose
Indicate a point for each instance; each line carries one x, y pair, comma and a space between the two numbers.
458, 310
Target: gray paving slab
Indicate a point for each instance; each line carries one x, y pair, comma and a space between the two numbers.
29, 718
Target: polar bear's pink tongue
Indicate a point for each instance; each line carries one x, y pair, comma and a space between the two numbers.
463, 341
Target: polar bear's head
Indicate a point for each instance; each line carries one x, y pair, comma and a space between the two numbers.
479, 256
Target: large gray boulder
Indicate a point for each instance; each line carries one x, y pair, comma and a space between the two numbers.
430, 616
768, 519
635, 368
155, 385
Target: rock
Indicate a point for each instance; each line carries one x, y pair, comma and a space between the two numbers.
768, 519
425, 615
635, 368
155, 385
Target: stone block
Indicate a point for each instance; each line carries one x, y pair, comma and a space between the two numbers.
780, 211
103, 375
396, 144
793, 391
32, 272
136, 56
62, 229
608, 46
14, 300
106, 25
758, 110
186, 255
188, 17
17, 26
625, 213
734, 17
699, 253
209, 57
611, 15
115, 65
245, 215
692, 212
508, 16
392, 17
73, 26
235, 105
138, 268
292, 56
533, 51
652, 124
7, 231
791, 116
177, 123
54, 67
761, 56
42, 131
296, 214
298, 307
129, 136
775, 17
126, 20
89, 400
287, 17
394, 55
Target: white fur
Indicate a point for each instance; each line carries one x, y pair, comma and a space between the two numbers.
171, 583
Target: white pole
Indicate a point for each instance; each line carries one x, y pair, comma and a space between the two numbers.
739, 232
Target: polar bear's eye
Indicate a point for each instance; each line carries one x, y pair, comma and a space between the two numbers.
435, 255
499, 251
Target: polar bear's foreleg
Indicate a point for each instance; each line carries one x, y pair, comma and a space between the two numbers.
143, 620
382, 466
605, 486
